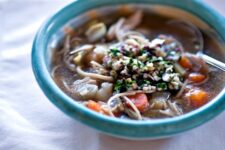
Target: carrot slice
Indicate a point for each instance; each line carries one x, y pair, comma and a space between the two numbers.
140, 100
94, 106
105, 112
196, 77
185, 62
198, 98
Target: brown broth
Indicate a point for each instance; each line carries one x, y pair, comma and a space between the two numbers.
153, 25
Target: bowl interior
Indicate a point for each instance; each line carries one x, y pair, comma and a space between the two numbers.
108, 11
52, 33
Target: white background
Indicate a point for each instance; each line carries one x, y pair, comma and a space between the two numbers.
28, 121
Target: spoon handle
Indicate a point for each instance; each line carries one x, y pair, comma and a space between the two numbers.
218, 64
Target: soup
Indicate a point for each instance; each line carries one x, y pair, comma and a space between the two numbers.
137, 65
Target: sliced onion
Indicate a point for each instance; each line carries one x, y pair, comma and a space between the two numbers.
96, 32
179, 69
86, 47
158, 100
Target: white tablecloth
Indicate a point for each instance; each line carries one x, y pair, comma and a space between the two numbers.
28, 121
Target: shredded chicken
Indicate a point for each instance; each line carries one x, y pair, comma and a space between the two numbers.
117, 96
93, 75
87, 47
137, 112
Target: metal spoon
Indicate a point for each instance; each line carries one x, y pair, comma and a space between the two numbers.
218, 64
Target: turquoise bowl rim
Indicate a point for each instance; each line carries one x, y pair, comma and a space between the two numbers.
113, 126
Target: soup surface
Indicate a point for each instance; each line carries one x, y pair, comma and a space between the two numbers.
137, 65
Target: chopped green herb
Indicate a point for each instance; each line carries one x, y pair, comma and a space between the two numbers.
146, 82
130, 62
161, 86
128, 53
123, 85
118, 86
155, 59
129, 83
166, 62
140, 64
114, 52
143, 51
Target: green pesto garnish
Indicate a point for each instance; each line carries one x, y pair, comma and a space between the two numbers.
142, 67
144, 83
118, 85
114, 52
143, 51
155, 59
123, 85
161, 86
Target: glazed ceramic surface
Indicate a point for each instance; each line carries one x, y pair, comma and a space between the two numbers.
51, 32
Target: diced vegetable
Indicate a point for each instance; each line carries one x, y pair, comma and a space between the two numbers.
105, 111
84, 90
140, 100
158, 100
179, 69
105, 92
93, 106
96, 32
185, 62
196, 77
198, 98
97, 107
